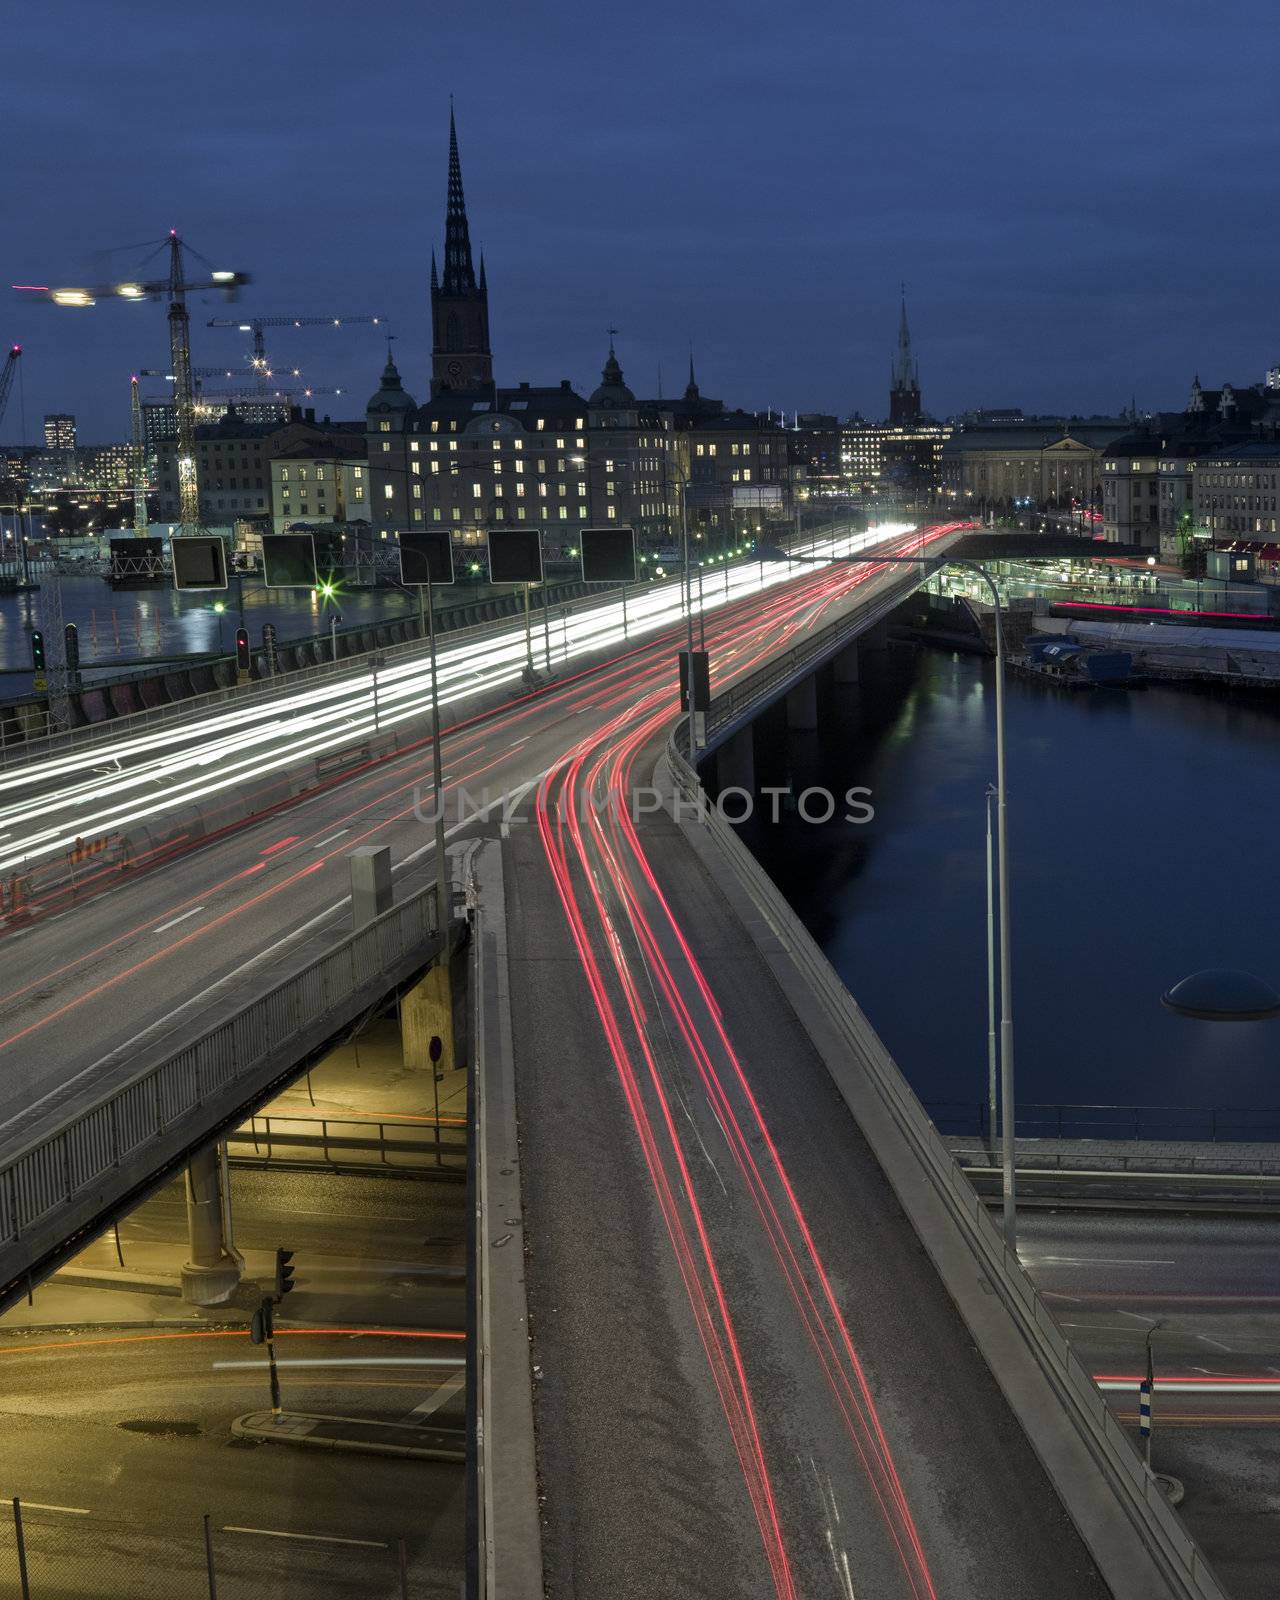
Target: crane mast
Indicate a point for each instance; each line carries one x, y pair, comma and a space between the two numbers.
6, 377
139, 458
184, 403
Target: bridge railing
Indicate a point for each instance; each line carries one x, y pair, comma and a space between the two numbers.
63, 1181
759, 688
1161, 1529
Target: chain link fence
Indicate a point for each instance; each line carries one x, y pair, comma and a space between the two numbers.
50, 1553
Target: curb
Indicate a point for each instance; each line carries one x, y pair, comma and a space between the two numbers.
261, 1425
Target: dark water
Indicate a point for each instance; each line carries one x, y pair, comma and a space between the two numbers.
1141, 849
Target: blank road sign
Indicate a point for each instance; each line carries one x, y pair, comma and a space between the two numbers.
515, 555
426, 555
609, 555
199, 561
289, 560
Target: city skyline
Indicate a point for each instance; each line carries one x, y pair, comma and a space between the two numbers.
645, 192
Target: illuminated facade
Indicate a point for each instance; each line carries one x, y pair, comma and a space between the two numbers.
59, 431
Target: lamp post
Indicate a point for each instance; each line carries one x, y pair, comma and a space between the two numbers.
933, 563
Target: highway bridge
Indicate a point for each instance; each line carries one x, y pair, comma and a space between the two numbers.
777, 1348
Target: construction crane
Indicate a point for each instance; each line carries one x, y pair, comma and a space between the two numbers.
7, 376
140, 520
175, 286
255, 325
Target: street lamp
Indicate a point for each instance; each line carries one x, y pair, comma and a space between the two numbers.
933, 564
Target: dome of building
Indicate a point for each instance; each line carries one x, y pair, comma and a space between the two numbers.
613, 392
392, 396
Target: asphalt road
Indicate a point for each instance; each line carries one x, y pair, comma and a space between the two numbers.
1208, 1292
750, 1381
126, 1430
128, 964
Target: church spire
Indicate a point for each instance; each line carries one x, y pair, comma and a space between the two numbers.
904, 387
903, 367
691, 389
459, 273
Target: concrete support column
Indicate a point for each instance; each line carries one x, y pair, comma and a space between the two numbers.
875, 638
802, 704
426, 1012
370, 883
845, 666
211, 1275
736, 762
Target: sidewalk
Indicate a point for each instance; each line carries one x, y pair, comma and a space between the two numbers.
366, 1078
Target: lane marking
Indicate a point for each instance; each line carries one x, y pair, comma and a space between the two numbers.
1216, 1343
35, 1505
444, 1393
308, 1538
345, 1361
331, 838
1103, 1261
174, 921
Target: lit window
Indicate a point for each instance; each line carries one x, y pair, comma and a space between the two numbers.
564, 513
746, 474
433, 445
413, 446
542, 490
711, 449
388, 493
702, 449
562, 491
386, 445
417, 491
580, 444
519, 443
519, 466
733, 448
358, 472
582, 513
608, 488
611, 512
416, 466
520, 491
417, 517
435, 427
559, 444
746, 448
436, 514
519, 513
453, 444
582, 489
579, 422
540, 424
435, 466
384, 427
475, 491
457, 513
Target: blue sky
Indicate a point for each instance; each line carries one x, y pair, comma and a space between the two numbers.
1082, 200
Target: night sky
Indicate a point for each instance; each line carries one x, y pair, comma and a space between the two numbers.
1081, 199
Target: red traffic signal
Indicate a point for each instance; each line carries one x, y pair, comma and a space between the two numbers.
242, 649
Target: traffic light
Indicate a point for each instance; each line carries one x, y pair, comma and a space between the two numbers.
37, 650
242, 649
72, 635
284, 1273
260, 1326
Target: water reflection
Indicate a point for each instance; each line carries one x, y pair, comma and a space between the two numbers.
1141, 850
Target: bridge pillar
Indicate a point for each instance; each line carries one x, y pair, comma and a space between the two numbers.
802, 704
211, 1275
426, 1012
875, 638
845, 666
370, 882
736, 762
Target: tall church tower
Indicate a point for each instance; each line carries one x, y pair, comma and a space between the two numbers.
904, 388
460, 359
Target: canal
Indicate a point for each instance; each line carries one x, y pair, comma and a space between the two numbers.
1140, 850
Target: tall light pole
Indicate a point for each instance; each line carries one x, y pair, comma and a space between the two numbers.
1007, 1108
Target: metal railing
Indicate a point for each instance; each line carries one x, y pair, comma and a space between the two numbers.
391, 1142
1163, 1532
759, 688
49, 1553
261, 693
1212, 1124
62, 1181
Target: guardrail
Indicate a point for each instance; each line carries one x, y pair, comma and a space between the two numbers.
338, 1140
63, 1182
263, 692
1166, 1538
757, 689
1051, 1120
